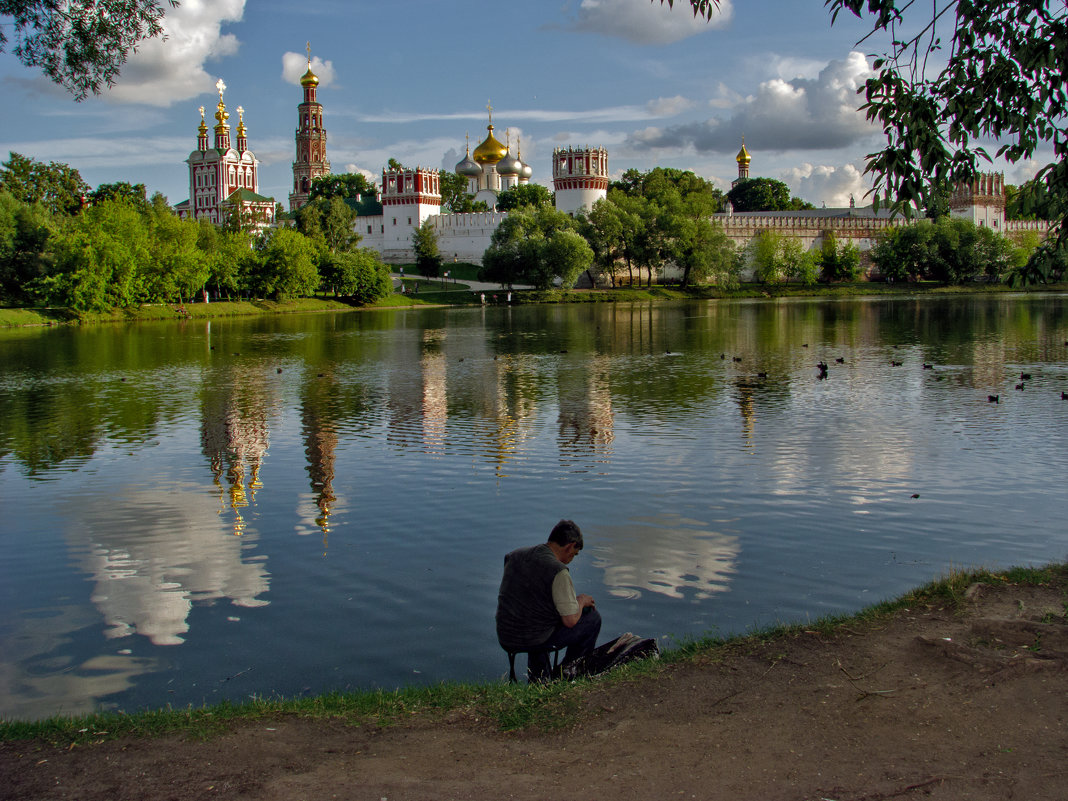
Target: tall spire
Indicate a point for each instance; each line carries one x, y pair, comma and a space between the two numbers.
222, 130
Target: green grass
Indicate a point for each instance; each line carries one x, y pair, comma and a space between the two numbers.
509, 707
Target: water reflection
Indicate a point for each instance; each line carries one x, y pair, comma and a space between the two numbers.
171, 464
668, 555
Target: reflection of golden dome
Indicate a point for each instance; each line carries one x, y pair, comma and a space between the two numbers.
309, 78
743, 155
490, 151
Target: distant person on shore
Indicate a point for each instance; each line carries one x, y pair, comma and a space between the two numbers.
537, 605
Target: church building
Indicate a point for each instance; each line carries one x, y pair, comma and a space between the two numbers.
224, 177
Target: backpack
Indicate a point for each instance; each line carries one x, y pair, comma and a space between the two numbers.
619, 651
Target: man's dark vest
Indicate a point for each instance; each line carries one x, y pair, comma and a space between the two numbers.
526, 614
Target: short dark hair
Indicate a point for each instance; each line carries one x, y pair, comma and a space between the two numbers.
566, 532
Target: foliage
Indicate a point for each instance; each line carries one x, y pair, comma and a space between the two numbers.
535, 246
838, 261
80, 44
764, 194
950, 250
342, 185
25, 229
135, 194
524, 196
356, 274
427, 256
98, 260
329, 222
653, 219
776, 258
177, 268
455, 199
58, 186
286, 267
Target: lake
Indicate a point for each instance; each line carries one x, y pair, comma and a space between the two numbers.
287, 505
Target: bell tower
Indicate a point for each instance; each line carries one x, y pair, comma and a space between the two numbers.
311, 160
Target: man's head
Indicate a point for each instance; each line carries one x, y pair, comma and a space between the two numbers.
567, 539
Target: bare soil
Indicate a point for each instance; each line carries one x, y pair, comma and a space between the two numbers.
932, 703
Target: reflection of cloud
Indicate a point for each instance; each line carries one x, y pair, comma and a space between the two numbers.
668, 555
156, 554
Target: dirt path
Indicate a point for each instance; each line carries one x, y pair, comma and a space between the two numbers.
931, 704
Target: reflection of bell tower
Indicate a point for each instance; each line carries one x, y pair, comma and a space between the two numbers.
320, 446
586, 421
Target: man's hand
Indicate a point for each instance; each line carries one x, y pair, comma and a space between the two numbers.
585, 600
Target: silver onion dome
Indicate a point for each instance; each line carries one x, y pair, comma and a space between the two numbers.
509, 165
468, 167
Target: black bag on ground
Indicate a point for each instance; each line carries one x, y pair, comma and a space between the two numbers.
611, 654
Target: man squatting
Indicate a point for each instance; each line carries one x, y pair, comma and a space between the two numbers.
537, 607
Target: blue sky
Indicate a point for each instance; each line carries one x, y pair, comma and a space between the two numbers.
408, 79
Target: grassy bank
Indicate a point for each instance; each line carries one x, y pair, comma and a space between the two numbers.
439, 292
509, 706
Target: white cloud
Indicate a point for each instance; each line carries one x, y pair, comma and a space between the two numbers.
294, 65
828, 185
820, 113
164, 72
645, 22
668, 106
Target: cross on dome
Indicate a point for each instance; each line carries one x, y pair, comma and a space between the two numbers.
221, 87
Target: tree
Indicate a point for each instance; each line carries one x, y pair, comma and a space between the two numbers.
427, 257
760, 194
524, 195
99, 260
288, 268
329, 222
454, 195
393, 164
135, 194
25, 229
343, 185
80, 44
527, 248
839, 261
58, 186
356, 274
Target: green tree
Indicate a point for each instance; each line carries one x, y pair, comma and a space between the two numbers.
838, 261
329, 222
177, 268
454, 195
524, 195
526, 248
765, 256
760, 194
343, 185
356, 274
135, 194
99, 257
25, 229
80, 44
287, 268
427, 256
57, 186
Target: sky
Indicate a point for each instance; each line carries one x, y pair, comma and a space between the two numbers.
409, 79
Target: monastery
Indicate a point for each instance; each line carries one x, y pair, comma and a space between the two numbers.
225, 177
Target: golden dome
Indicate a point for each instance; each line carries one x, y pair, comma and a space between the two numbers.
490, 151
743, 155
309, 78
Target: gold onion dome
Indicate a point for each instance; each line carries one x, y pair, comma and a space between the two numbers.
743, 155
490, 151
309, 78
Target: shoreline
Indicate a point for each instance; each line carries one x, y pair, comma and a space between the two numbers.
382, 707
953, 691
24, 318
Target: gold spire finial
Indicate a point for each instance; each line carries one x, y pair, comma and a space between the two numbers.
489, 108
241, 121
309, 53
221, 87
220, 113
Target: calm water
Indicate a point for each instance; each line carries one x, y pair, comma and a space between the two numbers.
200, 511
